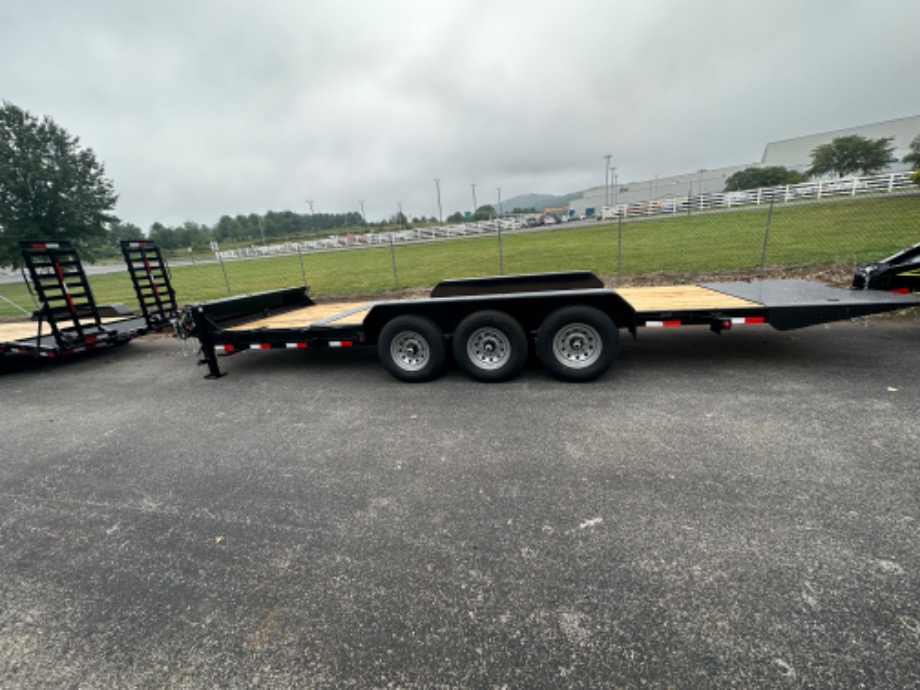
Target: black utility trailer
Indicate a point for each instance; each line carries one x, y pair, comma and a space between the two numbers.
68, 320
570, 319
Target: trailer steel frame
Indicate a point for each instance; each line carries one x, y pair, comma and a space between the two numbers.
491, 316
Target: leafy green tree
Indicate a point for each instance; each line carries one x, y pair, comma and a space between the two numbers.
228, 228
50, 187
770, 176
914, 156
484, 212
122, 231
850, 154
455, 217
164, 236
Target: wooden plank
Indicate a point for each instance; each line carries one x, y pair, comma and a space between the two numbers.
680, 297
339, 313
17, 330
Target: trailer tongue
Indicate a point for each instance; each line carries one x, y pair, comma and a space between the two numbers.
569, 319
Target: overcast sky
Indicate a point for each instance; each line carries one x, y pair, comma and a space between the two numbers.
200, 108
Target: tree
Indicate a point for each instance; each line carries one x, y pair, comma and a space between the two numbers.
850, 154
228, 228
50, 187
484, 212
122, 231
164, 236
455, 217
914, 156
770, 176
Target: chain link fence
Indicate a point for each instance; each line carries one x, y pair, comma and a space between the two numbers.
785, 237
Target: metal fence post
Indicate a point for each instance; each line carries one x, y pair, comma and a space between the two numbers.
303, 271
619, 248
224, 269
501, 255
393, 260
766, 234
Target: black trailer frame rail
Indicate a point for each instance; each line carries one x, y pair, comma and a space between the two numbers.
69, 321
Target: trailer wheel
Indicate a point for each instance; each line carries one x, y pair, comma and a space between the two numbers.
577, 343
412, 349
490, 346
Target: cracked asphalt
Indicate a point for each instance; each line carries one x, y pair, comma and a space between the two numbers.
717, 511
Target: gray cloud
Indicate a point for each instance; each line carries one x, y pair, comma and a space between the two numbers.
211, 107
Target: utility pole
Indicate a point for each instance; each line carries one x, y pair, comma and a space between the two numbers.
437, 184
474, 197
363, 217
607, 179
401, 218
500, 212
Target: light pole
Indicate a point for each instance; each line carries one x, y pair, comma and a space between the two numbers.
607, 179
613, 182
500, 212
437, 184
401, 218
363, 217
312, 217
474, 197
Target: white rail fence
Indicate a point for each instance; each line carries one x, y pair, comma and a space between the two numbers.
670, 204
813, 190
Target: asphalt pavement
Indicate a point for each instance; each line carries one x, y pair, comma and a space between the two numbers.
739, 511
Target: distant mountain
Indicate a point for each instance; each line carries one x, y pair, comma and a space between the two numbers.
538, 201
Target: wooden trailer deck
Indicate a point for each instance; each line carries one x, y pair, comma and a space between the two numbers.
681, 298
19, 330
334, 313
643, 299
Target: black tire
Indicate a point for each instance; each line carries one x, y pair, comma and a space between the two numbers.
412, 348
490, 346
577, 343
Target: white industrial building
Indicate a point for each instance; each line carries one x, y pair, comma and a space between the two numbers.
790, 153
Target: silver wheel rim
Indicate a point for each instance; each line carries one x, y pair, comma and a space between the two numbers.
410, 351
577, 345
488, 348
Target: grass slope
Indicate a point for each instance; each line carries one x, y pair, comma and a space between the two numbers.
854, 231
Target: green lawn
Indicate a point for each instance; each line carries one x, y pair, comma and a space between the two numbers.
851, 231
